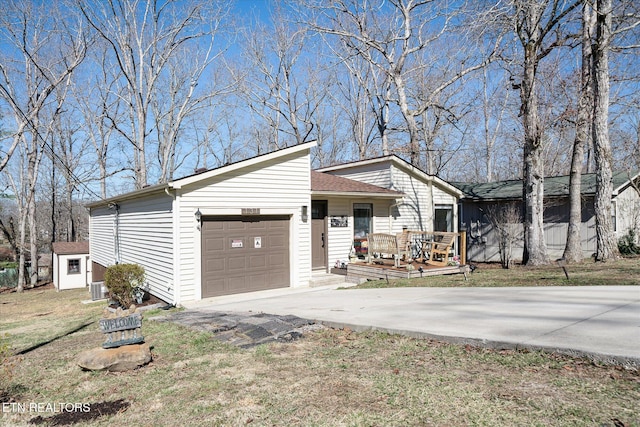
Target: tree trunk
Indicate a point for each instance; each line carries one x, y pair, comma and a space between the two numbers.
605, 236
33, 240
407, 114
535, 247
573, 249
22, 239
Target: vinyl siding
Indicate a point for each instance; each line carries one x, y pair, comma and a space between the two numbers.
278, 186
340, 239
417, 209
145, 229
375, 174
101, 230
627, 211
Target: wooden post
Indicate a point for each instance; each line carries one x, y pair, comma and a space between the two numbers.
463, 248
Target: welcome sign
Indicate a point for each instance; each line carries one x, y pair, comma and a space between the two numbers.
122, 330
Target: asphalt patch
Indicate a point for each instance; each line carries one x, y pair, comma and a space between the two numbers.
243, 330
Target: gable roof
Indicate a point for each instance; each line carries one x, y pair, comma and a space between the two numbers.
399, 163
554, 186
325, 183
70, 248
193, 178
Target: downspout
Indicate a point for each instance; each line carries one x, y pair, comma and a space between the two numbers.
116, 232
393, 205
171, 286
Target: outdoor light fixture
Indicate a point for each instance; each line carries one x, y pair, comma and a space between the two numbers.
198, 215
305, 213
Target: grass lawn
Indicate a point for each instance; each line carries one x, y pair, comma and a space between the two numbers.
327, 378
621, 272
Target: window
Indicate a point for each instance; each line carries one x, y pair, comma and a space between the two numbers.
362, 219
443, 219
318, 209
73, 266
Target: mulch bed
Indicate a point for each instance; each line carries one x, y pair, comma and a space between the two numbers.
146, 301
90, 412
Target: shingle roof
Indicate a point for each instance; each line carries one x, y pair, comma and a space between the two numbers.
70, 248
554, 186
325, 182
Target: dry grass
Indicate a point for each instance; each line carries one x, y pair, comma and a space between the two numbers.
329, 378
624, 271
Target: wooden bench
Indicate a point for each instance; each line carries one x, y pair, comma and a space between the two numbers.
383, 243
439, 250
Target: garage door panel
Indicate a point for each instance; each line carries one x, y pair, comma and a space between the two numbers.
214, 245
236, 263
244, 254
215, 264
278, 242
278, 259
257, 261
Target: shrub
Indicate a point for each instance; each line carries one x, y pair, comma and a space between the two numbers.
627, 244
123, 281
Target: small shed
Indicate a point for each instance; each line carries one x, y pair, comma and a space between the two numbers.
71, 266
481, 200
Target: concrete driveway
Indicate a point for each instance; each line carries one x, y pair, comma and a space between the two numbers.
597, 321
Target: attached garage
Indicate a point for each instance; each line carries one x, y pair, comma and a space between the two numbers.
244, 254
239, 228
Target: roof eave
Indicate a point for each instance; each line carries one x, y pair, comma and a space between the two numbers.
158, 188
243, 164
328, 193
397, 161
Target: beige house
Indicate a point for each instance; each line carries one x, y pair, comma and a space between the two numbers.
263, 223
410, 199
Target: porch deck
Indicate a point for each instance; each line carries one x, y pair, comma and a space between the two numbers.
385, 269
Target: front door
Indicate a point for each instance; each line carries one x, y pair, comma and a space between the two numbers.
319, 234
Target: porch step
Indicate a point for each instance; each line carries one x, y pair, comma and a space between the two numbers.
325, 279
357, 273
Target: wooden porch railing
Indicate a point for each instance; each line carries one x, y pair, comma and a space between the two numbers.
418, 239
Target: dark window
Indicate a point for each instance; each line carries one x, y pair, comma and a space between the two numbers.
362, 219
443, 219
73, 266
318, 209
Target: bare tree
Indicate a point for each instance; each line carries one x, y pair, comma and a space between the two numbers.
506, 220
627, 20
277, 83
491, 133
606, 246
365, 103
145, 39
537, 26
396, 37
46, 49
573, 248
99, 108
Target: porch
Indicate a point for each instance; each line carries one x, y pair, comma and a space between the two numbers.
410, 254
359, 271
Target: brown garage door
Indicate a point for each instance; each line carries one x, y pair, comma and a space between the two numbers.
244, 254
